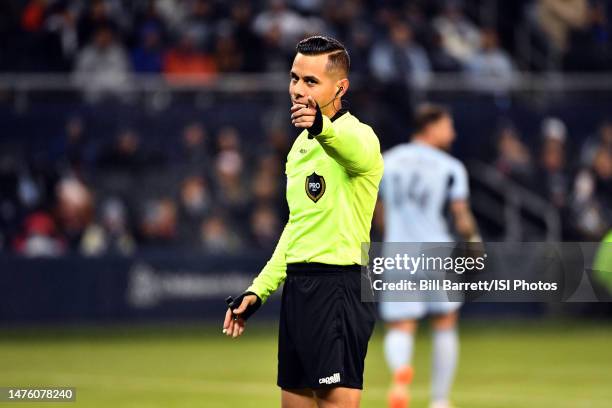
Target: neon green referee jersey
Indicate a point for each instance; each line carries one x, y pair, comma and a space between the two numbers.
332, 185
603, 262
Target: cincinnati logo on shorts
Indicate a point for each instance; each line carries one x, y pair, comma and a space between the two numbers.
315, 187
333, 379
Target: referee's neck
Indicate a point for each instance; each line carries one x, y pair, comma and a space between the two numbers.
330, 111
337, 114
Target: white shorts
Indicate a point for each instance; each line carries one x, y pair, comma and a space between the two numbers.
394, 311
419, 304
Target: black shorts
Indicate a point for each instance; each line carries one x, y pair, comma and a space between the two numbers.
324, 327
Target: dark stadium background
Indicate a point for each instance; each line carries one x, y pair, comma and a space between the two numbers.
142, 146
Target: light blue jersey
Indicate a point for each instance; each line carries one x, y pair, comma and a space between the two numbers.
418, 182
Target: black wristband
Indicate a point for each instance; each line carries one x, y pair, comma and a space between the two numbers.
317, 126
250, 310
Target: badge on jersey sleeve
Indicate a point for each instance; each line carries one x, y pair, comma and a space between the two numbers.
315, 186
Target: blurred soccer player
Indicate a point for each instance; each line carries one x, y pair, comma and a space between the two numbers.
420, 181
333, 171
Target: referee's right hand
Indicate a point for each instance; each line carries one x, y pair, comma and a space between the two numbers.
234, 324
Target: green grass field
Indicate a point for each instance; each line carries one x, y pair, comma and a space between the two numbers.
504, 364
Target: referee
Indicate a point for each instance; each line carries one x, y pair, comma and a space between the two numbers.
333, 171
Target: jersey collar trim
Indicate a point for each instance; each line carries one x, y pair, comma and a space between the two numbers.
338, 114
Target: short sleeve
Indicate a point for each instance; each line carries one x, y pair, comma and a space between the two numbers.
381, 186
459, 189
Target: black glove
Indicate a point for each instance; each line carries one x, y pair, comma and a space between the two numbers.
317, 125
235, 304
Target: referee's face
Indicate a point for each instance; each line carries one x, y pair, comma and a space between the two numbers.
310, 77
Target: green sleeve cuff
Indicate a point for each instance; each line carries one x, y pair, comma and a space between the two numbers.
252, 289
325, 131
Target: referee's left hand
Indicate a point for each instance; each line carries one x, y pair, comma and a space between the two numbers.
233, 324
303, 116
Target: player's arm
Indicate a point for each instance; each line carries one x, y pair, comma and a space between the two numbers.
378, 220
268, 280
573, 13
464, 221
356, 149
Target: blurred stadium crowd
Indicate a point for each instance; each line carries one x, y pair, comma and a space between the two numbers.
217, 191
214, 189
575, 179
209, 192
388, 38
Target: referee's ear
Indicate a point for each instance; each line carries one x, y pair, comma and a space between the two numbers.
342, 86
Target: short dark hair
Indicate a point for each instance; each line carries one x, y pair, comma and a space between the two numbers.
338, 58
427, 114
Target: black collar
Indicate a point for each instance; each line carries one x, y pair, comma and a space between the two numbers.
338, 114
